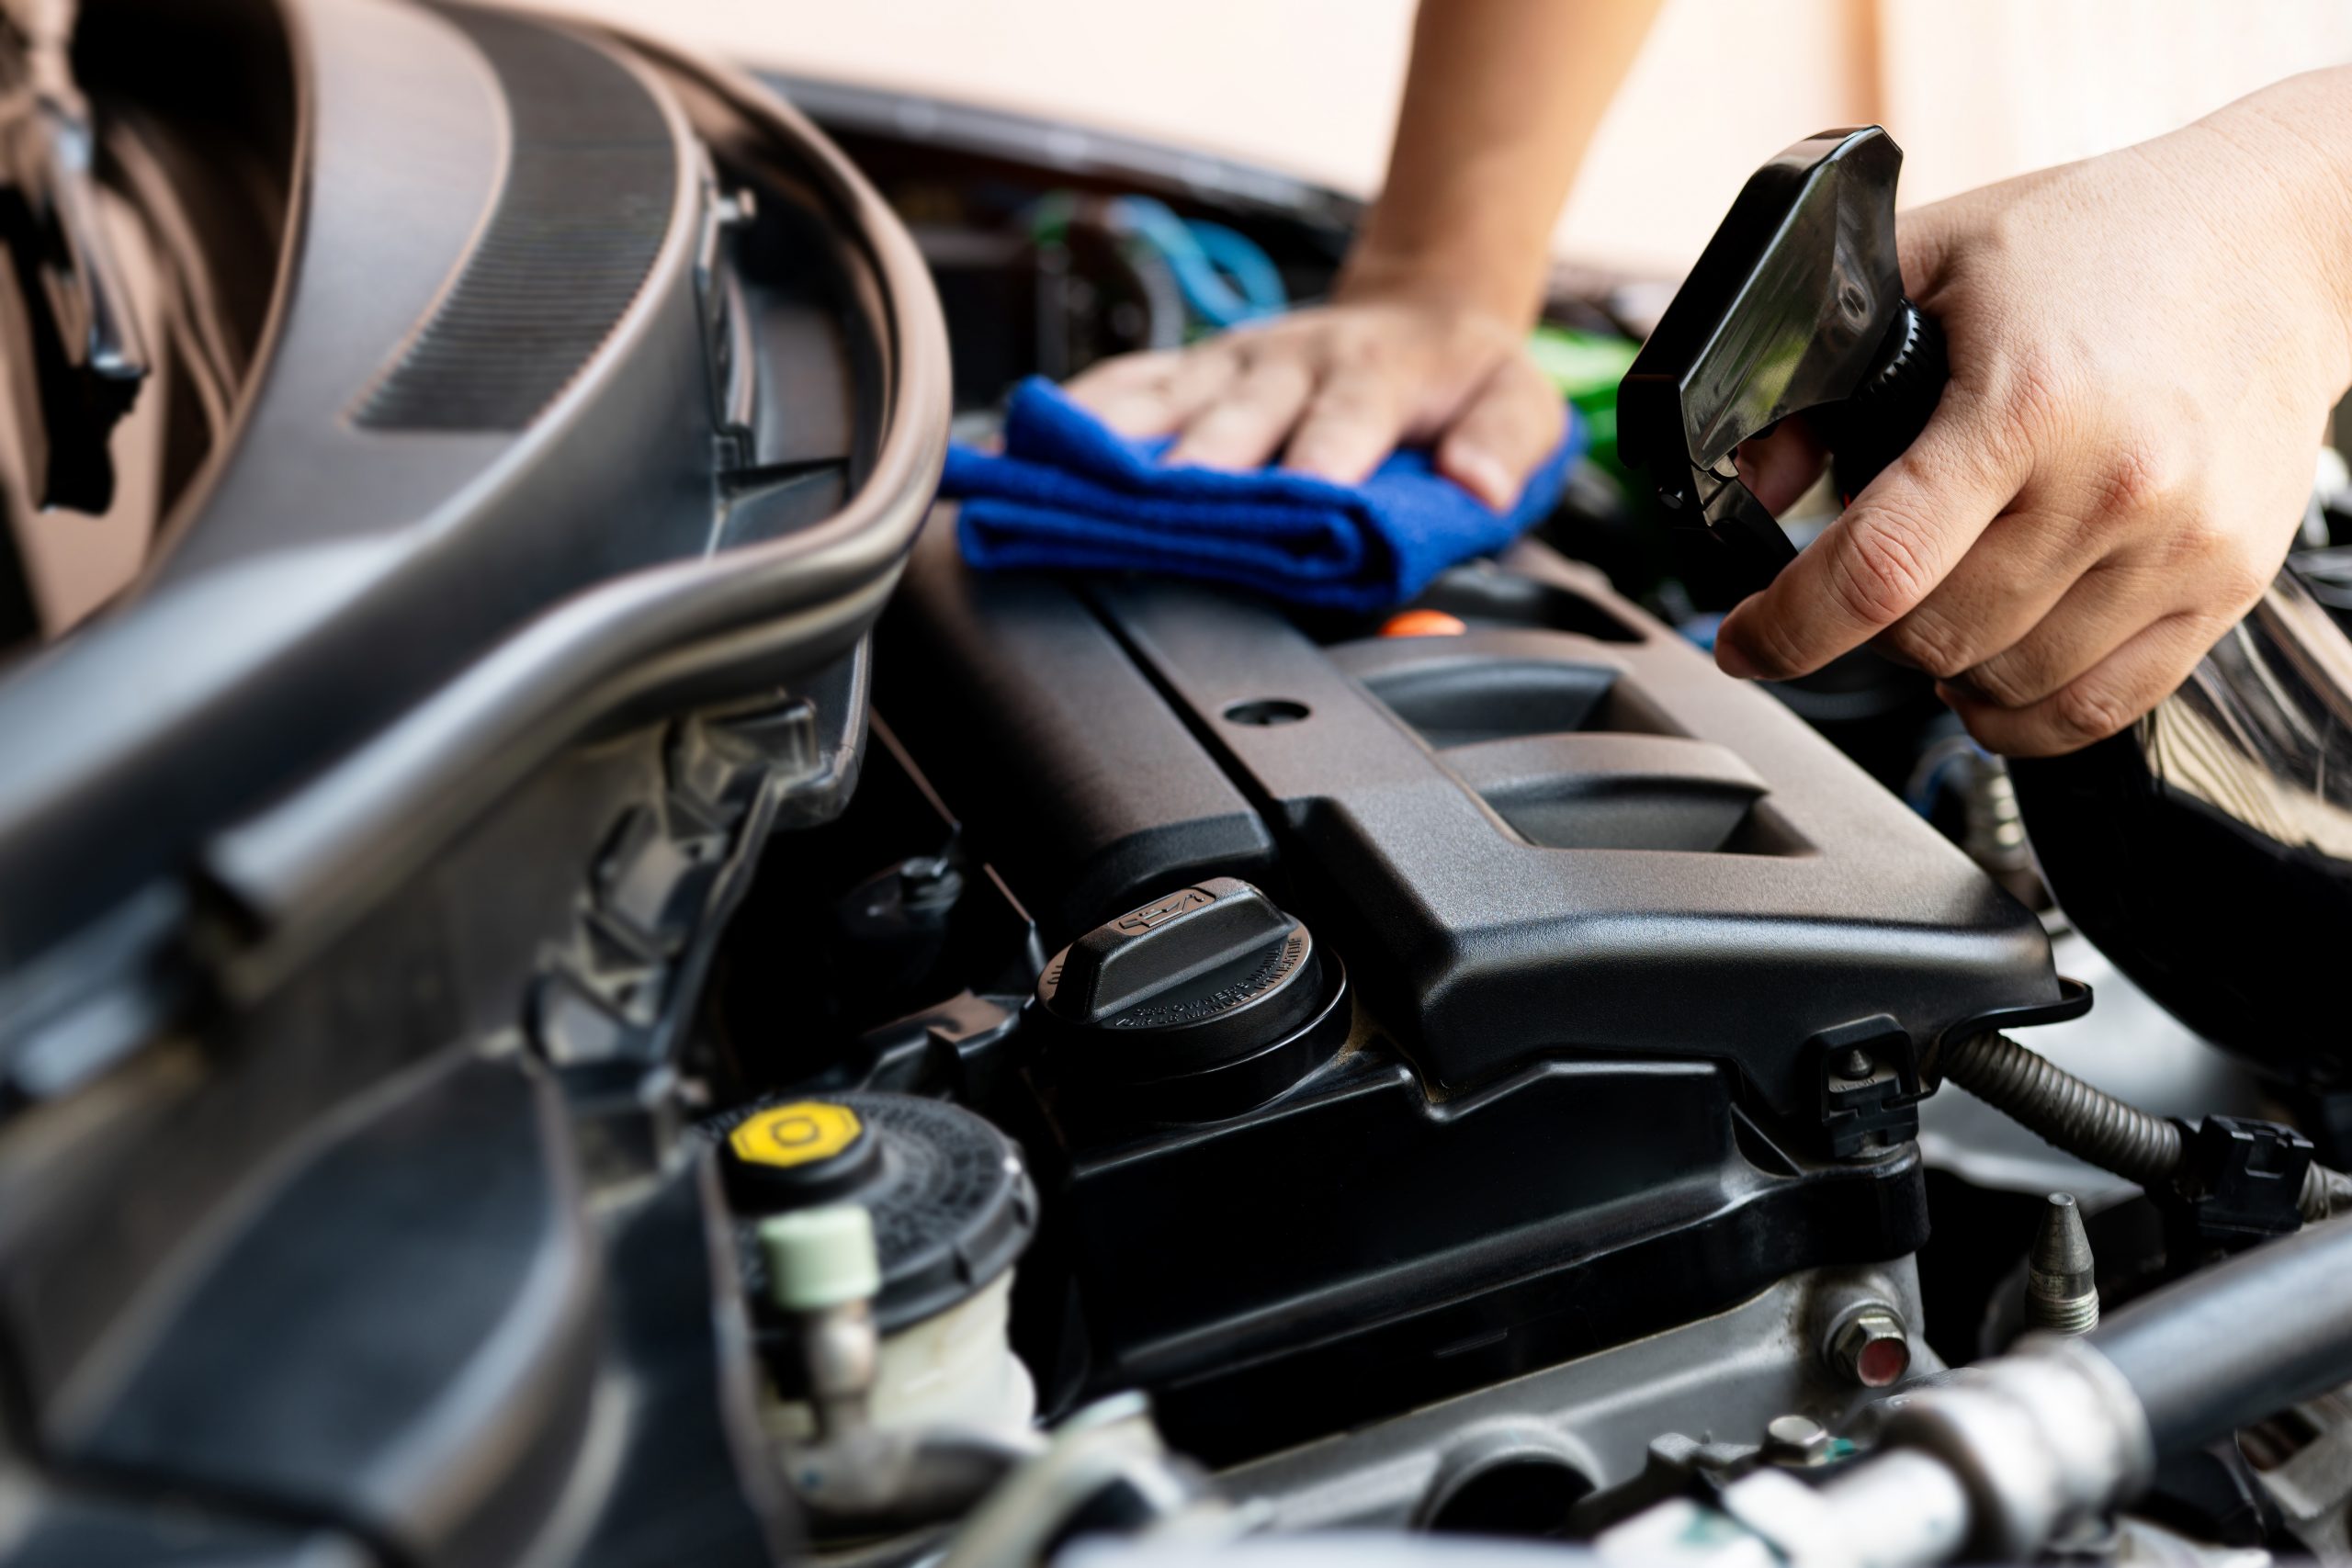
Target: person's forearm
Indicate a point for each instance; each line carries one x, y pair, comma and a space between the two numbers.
1501, 101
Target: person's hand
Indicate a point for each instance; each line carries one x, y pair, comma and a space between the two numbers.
2145, 349
1333, 390
1424, 343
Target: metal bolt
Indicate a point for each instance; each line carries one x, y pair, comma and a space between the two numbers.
1857, 1064
1871, 1346
2061, 1279
929, 883
1796, 1440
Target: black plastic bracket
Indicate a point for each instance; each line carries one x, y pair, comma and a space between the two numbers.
1870, 1085
953, 1051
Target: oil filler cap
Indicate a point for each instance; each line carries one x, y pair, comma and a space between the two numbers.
1203, 978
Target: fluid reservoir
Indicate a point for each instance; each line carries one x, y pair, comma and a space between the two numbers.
953, 1207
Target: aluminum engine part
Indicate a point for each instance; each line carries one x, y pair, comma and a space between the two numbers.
1991, 1464
2042, 1440
1593, 1420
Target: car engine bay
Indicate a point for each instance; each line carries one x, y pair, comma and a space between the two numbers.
578, 988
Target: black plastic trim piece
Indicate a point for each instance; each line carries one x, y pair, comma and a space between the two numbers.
2075, 999
402, 1345
669, 635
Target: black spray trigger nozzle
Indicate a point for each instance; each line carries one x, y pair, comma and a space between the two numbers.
1796, 306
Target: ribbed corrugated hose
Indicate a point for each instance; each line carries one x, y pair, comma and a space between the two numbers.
2092, 1124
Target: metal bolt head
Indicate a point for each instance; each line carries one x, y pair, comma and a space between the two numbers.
1795, 1440
927, 883
1872, 1348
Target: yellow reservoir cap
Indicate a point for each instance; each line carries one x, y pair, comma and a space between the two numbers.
799, 1133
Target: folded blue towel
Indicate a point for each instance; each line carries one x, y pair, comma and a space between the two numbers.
1068, 493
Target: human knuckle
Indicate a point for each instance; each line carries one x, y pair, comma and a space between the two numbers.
2006, 681
1881, 573
1930, 643
1273, 388
1241, 409
2181, 544
1365, 353
1161, 386
1350, 398
2037, 390
1772, 641
2085, 711
2131, 478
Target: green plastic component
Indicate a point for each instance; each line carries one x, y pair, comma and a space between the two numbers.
1587, 367
821, 1258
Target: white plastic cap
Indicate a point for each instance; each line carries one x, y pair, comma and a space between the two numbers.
821, 1258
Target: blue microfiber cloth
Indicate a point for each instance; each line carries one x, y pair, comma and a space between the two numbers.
1068, 493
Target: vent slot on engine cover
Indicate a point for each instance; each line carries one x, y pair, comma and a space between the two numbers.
1475, 702
1575, 757
1624, 792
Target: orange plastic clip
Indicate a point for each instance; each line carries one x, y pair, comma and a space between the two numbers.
1423, 623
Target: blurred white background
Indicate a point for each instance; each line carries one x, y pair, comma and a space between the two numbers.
1974, 89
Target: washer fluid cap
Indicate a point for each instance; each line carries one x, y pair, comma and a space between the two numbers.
1206, 976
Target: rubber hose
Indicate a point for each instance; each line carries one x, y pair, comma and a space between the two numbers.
2237, 1341
2089, 1123
2093, 1125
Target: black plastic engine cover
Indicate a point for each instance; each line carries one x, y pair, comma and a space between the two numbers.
1357, 1248
1562, 831
1612, 927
